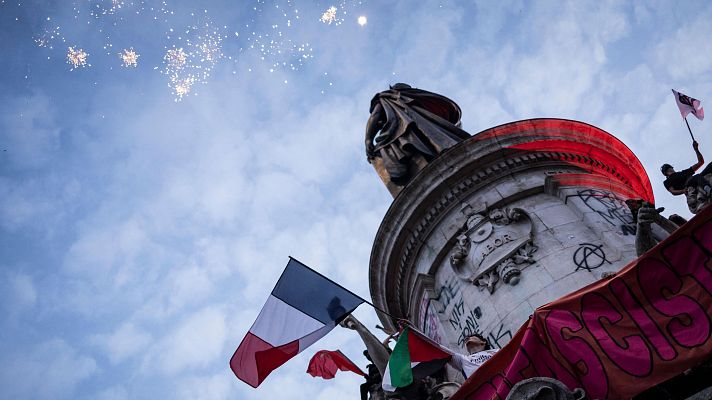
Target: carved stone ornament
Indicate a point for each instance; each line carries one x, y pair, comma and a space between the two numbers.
493, 246
543, 388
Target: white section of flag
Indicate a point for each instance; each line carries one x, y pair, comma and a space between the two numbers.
386, 382
687, 105
279, 323
308, 340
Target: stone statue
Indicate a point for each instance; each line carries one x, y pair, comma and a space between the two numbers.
409, 127
378, 352
371, 389
651, 227
698, 192
542, 388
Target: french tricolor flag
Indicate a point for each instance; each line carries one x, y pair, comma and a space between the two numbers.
302, 308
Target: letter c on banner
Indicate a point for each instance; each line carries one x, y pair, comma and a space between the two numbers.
577, 351
633, 355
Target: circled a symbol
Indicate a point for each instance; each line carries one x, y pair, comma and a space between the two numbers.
589, 256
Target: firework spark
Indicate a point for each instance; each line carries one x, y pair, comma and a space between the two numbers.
105, 7
329, 16
77, 58
193, 56
182, 87
175, 58
129, 57
48, 37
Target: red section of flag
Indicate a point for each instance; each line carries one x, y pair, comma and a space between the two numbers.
254, 359
325, 363
620, 336
422, 349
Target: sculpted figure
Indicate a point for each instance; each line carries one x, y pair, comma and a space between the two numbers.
542, 388
408, 127
651, 227
698, 192
371, 389
377, 351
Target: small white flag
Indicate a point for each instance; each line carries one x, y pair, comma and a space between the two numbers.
687, 105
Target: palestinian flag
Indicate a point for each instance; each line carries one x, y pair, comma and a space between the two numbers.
414, 357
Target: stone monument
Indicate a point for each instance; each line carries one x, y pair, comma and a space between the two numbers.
483, 229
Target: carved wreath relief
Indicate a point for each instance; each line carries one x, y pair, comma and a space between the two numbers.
493, 246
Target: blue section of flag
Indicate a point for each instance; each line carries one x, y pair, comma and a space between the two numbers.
313, 294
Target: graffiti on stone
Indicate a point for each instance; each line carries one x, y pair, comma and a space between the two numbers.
628, 230
457, 312
447, 293
589, 256
498, 339
469, 326
431, 321
612, 208
456, 315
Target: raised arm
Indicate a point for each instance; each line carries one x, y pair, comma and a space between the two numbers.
700, 159
676, 192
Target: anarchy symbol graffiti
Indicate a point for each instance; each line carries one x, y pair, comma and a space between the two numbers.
589, 256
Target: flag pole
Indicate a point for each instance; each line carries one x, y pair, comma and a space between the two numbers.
688, 129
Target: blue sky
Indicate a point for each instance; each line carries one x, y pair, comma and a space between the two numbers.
140, 235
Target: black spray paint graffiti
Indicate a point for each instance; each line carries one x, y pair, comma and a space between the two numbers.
501, 334
447, 294
462, 320
430, 320
628, 229
457, 312
589, 256
611, 208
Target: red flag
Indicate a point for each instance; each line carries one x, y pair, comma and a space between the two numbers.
687, 105
325, 363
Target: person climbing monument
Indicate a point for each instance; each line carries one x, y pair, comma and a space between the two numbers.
479, 351
677, 182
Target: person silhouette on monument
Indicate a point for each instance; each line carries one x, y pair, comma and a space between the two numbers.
408, 127
676, 182
479, 350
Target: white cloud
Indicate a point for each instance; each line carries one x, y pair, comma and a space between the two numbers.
23, 293
194, 344
112, 393
127, 341
686, 53
30, 134
213, 387
51, 370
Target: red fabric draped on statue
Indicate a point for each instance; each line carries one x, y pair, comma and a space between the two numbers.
621, 335
325, 363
